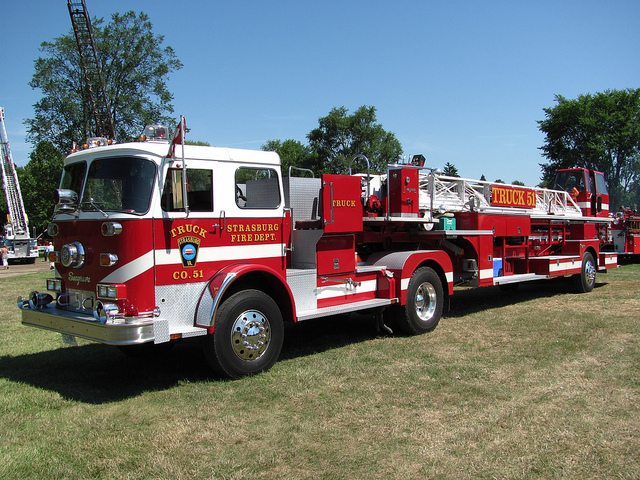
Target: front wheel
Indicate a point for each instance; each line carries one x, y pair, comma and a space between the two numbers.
425, 301
586, 279
247, 336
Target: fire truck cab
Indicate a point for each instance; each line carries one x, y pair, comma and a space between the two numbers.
588, 189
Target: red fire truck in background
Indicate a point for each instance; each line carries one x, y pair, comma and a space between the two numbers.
624, 234
589, 190
159, 241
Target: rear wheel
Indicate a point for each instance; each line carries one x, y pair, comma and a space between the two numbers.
247, 337
586, 279
425, 301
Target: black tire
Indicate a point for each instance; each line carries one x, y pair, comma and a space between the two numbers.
425, 301
586, 279
247, 337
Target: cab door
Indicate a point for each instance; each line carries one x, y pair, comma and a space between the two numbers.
600, 197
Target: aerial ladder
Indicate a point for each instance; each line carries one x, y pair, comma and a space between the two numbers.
16, 231
103, 124
440, 194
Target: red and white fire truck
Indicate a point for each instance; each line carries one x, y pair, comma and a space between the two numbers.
158, 241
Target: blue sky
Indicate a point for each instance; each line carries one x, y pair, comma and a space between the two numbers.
458, 81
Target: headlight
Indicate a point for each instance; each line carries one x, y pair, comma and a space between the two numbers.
107, 291
54, 284
72, 255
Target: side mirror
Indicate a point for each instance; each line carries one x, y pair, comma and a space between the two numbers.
65, 197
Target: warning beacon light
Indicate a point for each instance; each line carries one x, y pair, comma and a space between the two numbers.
155, 133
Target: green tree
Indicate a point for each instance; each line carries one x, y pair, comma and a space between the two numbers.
135, 68
38, 181
292, 153
517, 182
450, 170
599, 132
340, 136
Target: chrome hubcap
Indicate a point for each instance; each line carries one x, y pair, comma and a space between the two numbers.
590, 273
250, 335
426, 301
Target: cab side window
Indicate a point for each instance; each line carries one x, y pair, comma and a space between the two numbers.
257, 188
199, 190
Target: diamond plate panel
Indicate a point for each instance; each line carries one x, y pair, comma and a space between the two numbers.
178, 304
302, 196
161, 331
303, 287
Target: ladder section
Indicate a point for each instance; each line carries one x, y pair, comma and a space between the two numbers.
91, 69
440, 194
11, 186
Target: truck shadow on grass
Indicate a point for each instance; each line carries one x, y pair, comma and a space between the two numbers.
97, 374
466, 301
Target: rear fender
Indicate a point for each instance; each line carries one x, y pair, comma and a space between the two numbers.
403, 264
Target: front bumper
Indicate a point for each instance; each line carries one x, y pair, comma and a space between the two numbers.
84, 326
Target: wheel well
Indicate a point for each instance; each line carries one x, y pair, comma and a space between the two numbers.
267, 283
436, 267
592, 251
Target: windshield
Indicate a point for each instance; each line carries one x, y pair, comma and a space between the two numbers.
121, 184
568, 180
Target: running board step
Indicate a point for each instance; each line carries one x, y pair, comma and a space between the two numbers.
346, 308
523, 277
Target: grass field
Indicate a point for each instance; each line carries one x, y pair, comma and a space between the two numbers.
539, 383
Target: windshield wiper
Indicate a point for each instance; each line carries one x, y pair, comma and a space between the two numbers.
92, 203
